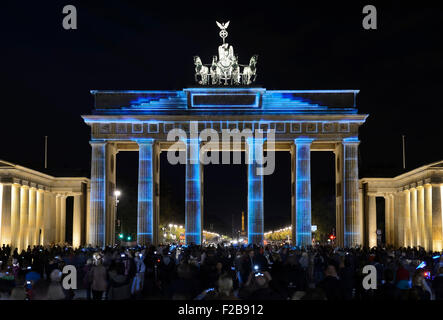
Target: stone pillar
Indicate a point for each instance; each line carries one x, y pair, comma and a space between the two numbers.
111, 159
63, 219
387, 219
372, 221
399, 214
49, 219
88, 214
339, 218
303, 191
32, 215
352, 236
5, 213
392, 220
437, 231
15, 215
193, 190
97, 222
407, 218
39, 217
428, 216
145, 208
414, 217
57, 218
293, 206
77, 221
421, 217
24, 217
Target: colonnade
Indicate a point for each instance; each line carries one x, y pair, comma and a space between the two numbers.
413, 216
33, 215
103, 177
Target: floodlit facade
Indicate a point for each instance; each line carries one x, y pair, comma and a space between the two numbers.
33, 207
413, 208
303, 121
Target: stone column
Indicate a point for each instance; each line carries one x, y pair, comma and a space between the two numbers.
49, 219
63, 219
193, 190
5, 213
399, 214
437, 231
303, 191
421, 216
387, 219
97, 222
392, 219
407, 218
77, 221
414, 217
372, 220
39, 217
352, 234
293, 205
57, 218
428, 215
32, 215
24, 217
145, 214
15, 215
339, 218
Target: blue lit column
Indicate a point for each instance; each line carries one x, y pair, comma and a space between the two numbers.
193, 193
98, 194
303, 191
145, 214
352, 235
254, 153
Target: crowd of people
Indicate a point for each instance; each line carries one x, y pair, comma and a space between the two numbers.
219, 272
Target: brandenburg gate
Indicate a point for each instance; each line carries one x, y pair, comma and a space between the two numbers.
303, 122
300, 121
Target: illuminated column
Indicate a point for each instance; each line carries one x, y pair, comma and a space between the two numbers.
32, 215
372, 220
63, 219
49, 219
303, 191
352, 236
98, 194
437, 231
428, 215
145, 215
399, 216
387, 219
339, 222
5, 213
57, 218
392, 219
24, 217
39, 217
15, 215
77, 221
193, 189
407, 217
88, 214
293, 206
421, 217
414, 217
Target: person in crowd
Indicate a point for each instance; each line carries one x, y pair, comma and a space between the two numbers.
98, 278
437, 284
331, 284
419, 289
119, 283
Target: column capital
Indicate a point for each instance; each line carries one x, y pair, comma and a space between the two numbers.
24, 186
303, 140
351, 140
97, 142
145, 141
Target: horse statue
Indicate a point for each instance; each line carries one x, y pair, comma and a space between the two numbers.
201, 71
215, 71
235, 76
250, 72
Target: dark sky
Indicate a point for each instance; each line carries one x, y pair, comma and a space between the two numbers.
48, 72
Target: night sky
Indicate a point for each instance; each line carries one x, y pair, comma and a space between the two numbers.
48, 73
